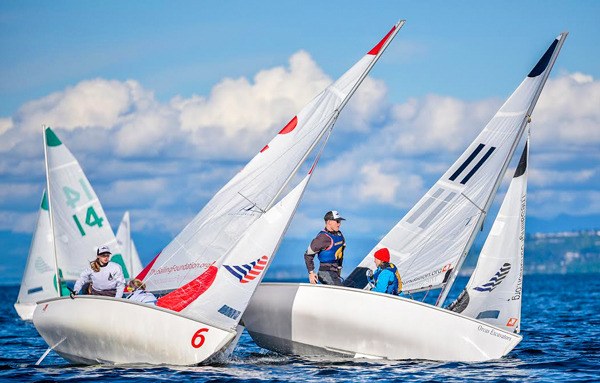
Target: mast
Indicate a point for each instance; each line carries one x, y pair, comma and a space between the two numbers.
336, 112
482, 215
58, 282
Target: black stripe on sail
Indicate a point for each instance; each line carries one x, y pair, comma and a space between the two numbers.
481, 162
490, 314
467, 162
540, 67
522, 163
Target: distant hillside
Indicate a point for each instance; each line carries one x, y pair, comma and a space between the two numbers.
555, 253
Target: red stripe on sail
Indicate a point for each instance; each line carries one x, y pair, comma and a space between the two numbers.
290, 126
179, 299
147, 269
265, 148
377, 47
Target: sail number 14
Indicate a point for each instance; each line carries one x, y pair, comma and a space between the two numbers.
72, 197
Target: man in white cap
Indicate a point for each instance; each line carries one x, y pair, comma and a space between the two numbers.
106, 277
329, 247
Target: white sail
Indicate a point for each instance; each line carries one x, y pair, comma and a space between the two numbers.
429, 244
221, 294
220, 224
493, 294
78, 220
129, 258
39, 281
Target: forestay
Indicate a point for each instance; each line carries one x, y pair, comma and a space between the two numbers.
129, 258
429, 244
79, 224
493, 294
220, 224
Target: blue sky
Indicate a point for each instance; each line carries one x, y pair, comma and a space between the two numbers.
162, 102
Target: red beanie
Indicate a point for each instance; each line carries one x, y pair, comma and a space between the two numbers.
383, 254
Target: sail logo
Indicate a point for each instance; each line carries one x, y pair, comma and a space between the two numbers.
511, 322
495, 280
468, 162
249, 271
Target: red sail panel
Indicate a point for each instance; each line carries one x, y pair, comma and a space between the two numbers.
179, 299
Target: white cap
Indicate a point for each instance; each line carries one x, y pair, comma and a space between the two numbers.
102, 250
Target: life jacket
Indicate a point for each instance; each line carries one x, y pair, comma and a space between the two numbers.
394, 287
335, 252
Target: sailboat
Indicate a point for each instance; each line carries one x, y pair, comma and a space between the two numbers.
129, 259
428, 246
65, 242
208, 273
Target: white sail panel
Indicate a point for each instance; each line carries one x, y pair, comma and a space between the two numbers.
221, 295
218, 226
129, 258
493, 294
38, 278
80, 225
430, 242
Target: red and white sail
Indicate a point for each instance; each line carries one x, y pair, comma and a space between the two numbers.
223, 222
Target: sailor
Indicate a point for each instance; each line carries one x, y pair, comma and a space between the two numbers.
329, 247
386, 278
106, 277
140, 294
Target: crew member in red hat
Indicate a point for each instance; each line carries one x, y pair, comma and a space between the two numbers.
386, 278
329, 247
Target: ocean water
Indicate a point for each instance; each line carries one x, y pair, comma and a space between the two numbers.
560, 326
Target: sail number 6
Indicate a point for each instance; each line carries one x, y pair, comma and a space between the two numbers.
198, 338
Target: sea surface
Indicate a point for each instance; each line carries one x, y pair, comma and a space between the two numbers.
560, 327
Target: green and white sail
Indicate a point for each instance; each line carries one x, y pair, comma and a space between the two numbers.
39, 278
79, 224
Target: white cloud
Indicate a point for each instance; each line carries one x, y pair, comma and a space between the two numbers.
552, 203
5, 125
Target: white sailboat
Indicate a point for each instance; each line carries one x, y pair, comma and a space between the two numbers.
77, 222
428, 246
129, 259
211, 269
493, 293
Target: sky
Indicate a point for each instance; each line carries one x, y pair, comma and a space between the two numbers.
163, 102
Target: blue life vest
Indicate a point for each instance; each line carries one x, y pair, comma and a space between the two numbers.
335, 251
392, 287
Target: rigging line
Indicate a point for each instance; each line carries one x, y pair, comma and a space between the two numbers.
254, 205
474, 204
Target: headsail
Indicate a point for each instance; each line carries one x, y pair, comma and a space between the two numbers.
493, 294
225, 289
429, 244
219, 225
79, 223
129, 258
39, 281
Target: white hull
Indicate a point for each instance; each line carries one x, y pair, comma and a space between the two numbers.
93, 330
304, 319
25, 310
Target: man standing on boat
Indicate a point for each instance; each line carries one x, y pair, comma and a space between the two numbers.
329, 247
106, 277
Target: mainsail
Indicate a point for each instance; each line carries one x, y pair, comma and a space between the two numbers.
493, 294
78, 223
221, 224
429, 244
129, 258
39, 278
